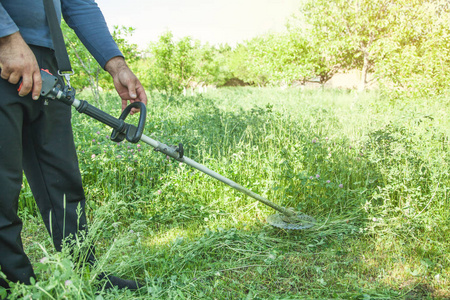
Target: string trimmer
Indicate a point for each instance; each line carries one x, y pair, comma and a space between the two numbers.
286, 218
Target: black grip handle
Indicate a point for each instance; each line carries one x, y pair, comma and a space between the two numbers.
133, 133
100, 115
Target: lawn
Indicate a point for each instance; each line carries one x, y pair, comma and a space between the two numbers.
372, 171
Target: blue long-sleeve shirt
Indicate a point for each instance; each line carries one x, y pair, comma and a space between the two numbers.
83, 16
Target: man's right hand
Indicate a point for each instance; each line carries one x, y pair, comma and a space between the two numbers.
17, 62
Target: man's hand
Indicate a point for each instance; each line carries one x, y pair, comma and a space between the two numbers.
126, 83
17, 62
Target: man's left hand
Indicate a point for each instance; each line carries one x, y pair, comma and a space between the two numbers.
126, 83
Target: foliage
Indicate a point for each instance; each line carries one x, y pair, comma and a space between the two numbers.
239, 64
403, 42
212, 66
274, 59
413, 60
174, 63
173, 66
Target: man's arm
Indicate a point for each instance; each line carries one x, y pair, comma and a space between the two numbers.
7, 25
86, 19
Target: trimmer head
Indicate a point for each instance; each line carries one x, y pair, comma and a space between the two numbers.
297, 222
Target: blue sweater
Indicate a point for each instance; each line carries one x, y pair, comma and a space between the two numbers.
83, 16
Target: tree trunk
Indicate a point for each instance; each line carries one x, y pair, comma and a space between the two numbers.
365, 70
366, 63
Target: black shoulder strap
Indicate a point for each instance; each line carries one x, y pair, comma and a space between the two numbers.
57, 37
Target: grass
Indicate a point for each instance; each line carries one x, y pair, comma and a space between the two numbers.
373, 172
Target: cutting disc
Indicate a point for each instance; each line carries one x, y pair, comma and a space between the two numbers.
297, 222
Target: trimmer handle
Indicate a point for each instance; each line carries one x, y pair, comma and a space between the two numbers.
122, 130
49, 81
131, 133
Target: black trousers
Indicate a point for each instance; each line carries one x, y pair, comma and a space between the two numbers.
36, 138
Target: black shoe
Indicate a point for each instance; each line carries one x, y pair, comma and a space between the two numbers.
113, 281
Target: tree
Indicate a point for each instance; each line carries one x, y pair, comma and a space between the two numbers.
282, 57
343, 31
240, 64
212, 69
273, 58
174, 65
415, 57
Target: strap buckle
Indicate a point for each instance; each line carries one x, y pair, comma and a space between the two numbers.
66, 75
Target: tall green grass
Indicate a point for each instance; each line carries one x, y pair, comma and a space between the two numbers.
374, 173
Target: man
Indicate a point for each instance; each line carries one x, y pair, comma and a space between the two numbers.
36, 136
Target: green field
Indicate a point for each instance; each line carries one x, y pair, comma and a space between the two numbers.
373, 172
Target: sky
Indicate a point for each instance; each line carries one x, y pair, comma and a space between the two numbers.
213, 21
